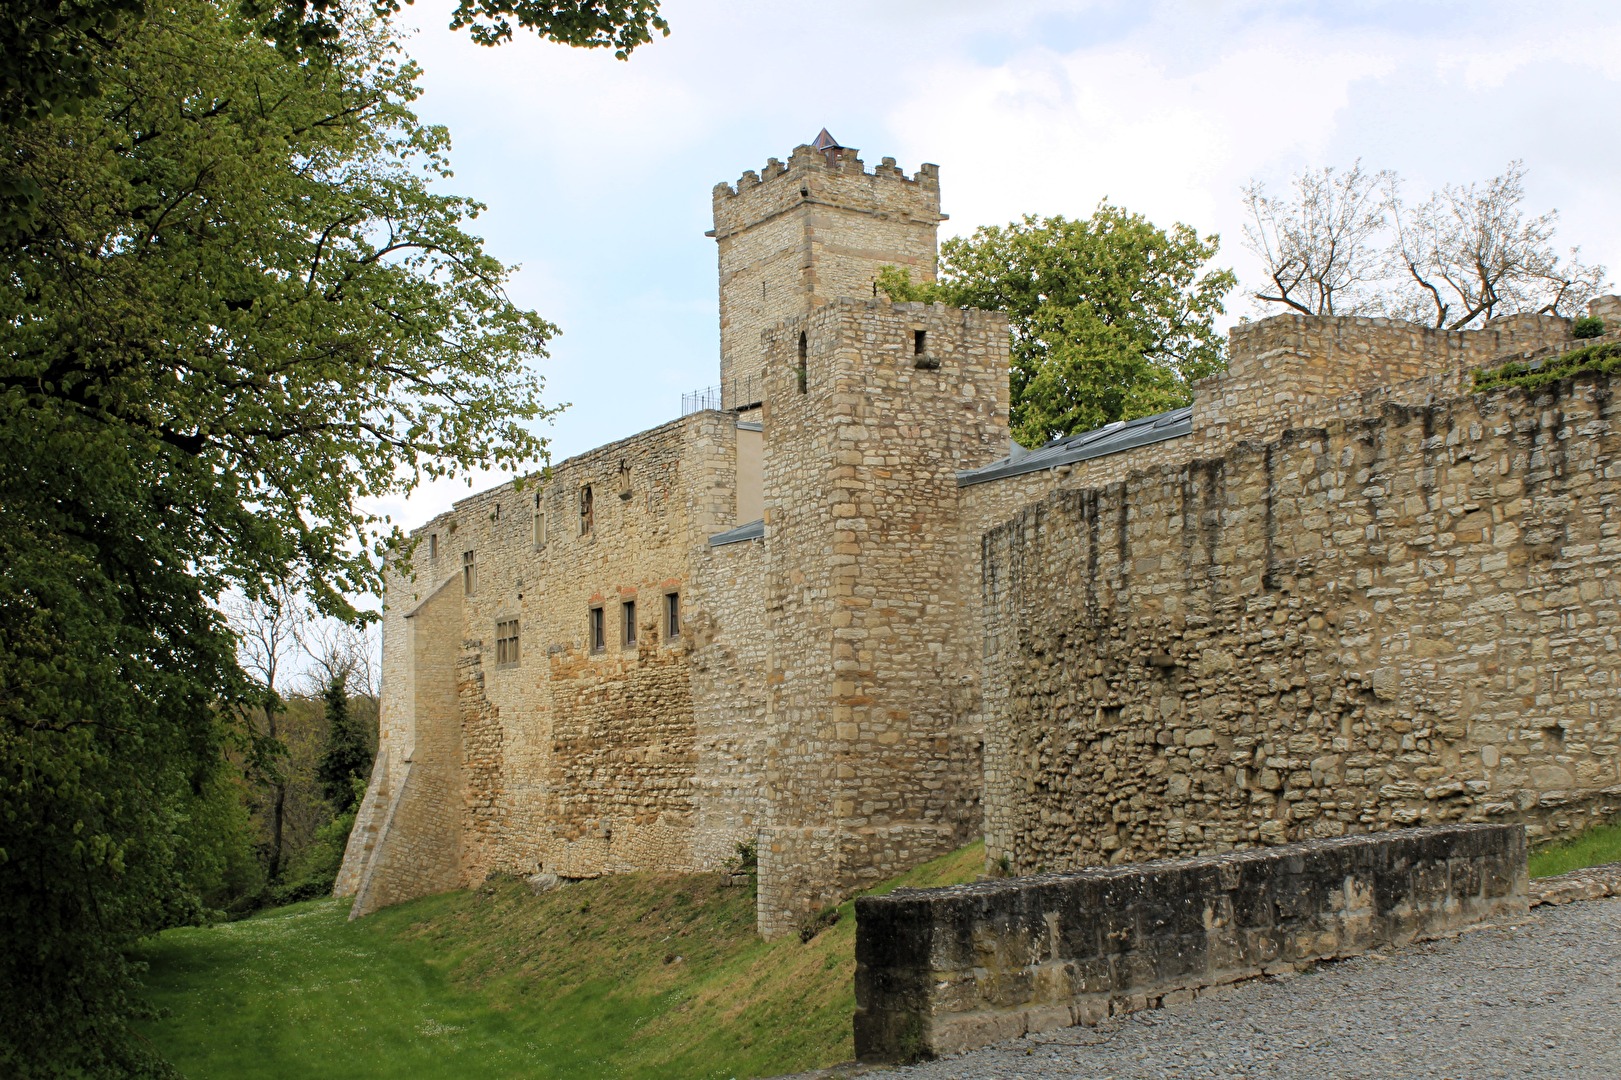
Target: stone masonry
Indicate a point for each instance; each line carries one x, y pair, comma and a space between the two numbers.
1345, 594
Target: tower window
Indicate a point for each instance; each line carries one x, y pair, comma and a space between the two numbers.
803, 352
920, 342
506, 643
588, 515
539, 523
594, 631
433, 545
469, 574
672, 616
496, 514
630, 624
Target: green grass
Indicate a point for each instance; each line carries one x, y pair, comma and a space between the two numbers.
1591, 848
638, 975
1606, 358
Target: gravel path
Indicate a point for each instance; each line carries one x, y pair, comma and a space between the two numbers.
1540, 998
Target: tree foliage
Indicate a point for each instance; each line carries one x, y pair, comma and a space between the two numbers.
1350, 244
1111, 316
239, 307
348, 754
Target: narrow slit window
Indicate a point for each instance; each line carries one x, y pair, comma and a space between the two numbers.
506, 643
630, 624
539, 523
803, 351
672, 616
588, 516
469, 574
433, 545
597, 641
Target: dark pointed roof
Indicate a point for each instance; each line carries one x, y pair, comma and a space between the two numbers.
825, 141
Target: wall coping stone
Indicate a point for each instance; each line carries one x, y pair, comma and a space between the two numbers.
944, 970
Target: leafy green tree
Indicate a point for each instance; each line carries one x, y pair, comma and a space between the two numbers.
348, 754
239, 307
1111, 316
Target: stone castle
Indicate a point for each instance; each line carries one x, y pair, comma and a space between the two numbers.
839, 616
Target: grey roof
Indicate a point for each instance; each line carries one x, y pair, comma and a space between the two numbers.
754, 530
1100, 442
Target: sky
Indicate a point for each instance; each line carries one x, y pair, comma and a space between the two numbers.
597, 173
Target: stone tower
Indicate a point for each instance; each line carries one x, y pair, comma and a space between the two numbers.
796, 236
872, 756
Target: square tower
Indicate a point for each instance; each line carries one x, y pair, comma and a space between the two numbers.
799, 235
871, 588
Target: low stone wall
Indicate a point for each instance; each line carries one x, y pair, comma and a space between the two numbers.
943, 970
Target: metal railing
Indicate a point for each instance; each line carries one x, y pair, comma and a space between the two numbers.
739, 393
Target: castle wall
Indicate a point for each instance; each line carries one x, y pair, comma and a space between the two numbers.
577, 760
727, 638
872, 759
1404, 618
797, 235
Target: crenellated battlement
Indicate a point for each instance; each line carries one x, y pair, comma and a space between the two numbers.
818, 227
834, 177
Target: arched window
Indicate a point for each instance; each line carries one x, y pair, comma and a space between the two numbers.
802, 355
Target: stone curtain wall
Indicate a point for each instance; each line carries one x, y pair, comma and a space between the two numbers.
1405, 618
725, 631
579, 761
873, 764
798, 235
944, 970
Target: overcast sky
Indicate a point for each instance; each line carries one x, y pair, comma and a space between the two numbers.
597, 173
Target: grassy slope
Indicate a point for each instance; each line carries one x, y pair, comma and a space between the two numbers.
633, 976
1591, 848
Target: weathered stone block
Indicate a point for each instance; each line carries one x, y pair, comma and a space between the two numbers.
942, 970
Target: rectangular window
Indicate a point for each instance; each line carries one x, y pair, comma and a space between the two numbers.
540, 527
672, 616
597, 641
630, 624
433, 545
506, 643
920, 342
469, 574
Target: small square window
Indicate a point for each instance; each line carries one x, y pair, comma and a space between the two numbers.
469, 574
630, 624
506, 643
598, 642
672, 616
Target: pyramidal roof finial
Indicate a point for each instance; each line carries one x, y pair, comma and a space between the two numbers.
825, 142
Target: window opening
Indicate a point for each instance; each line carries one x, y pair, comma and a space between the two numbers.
587, 511
672, 616
539, 523
496, 516
802, 355
469, 574
596, 635
630, 624
433, 545
506, 643
920, 341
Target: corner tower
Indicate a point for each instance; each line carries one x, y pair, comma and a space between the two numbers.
796, 236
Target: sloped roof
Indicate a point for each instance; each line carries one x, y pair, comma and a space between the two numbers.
1100, 442
752, 531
